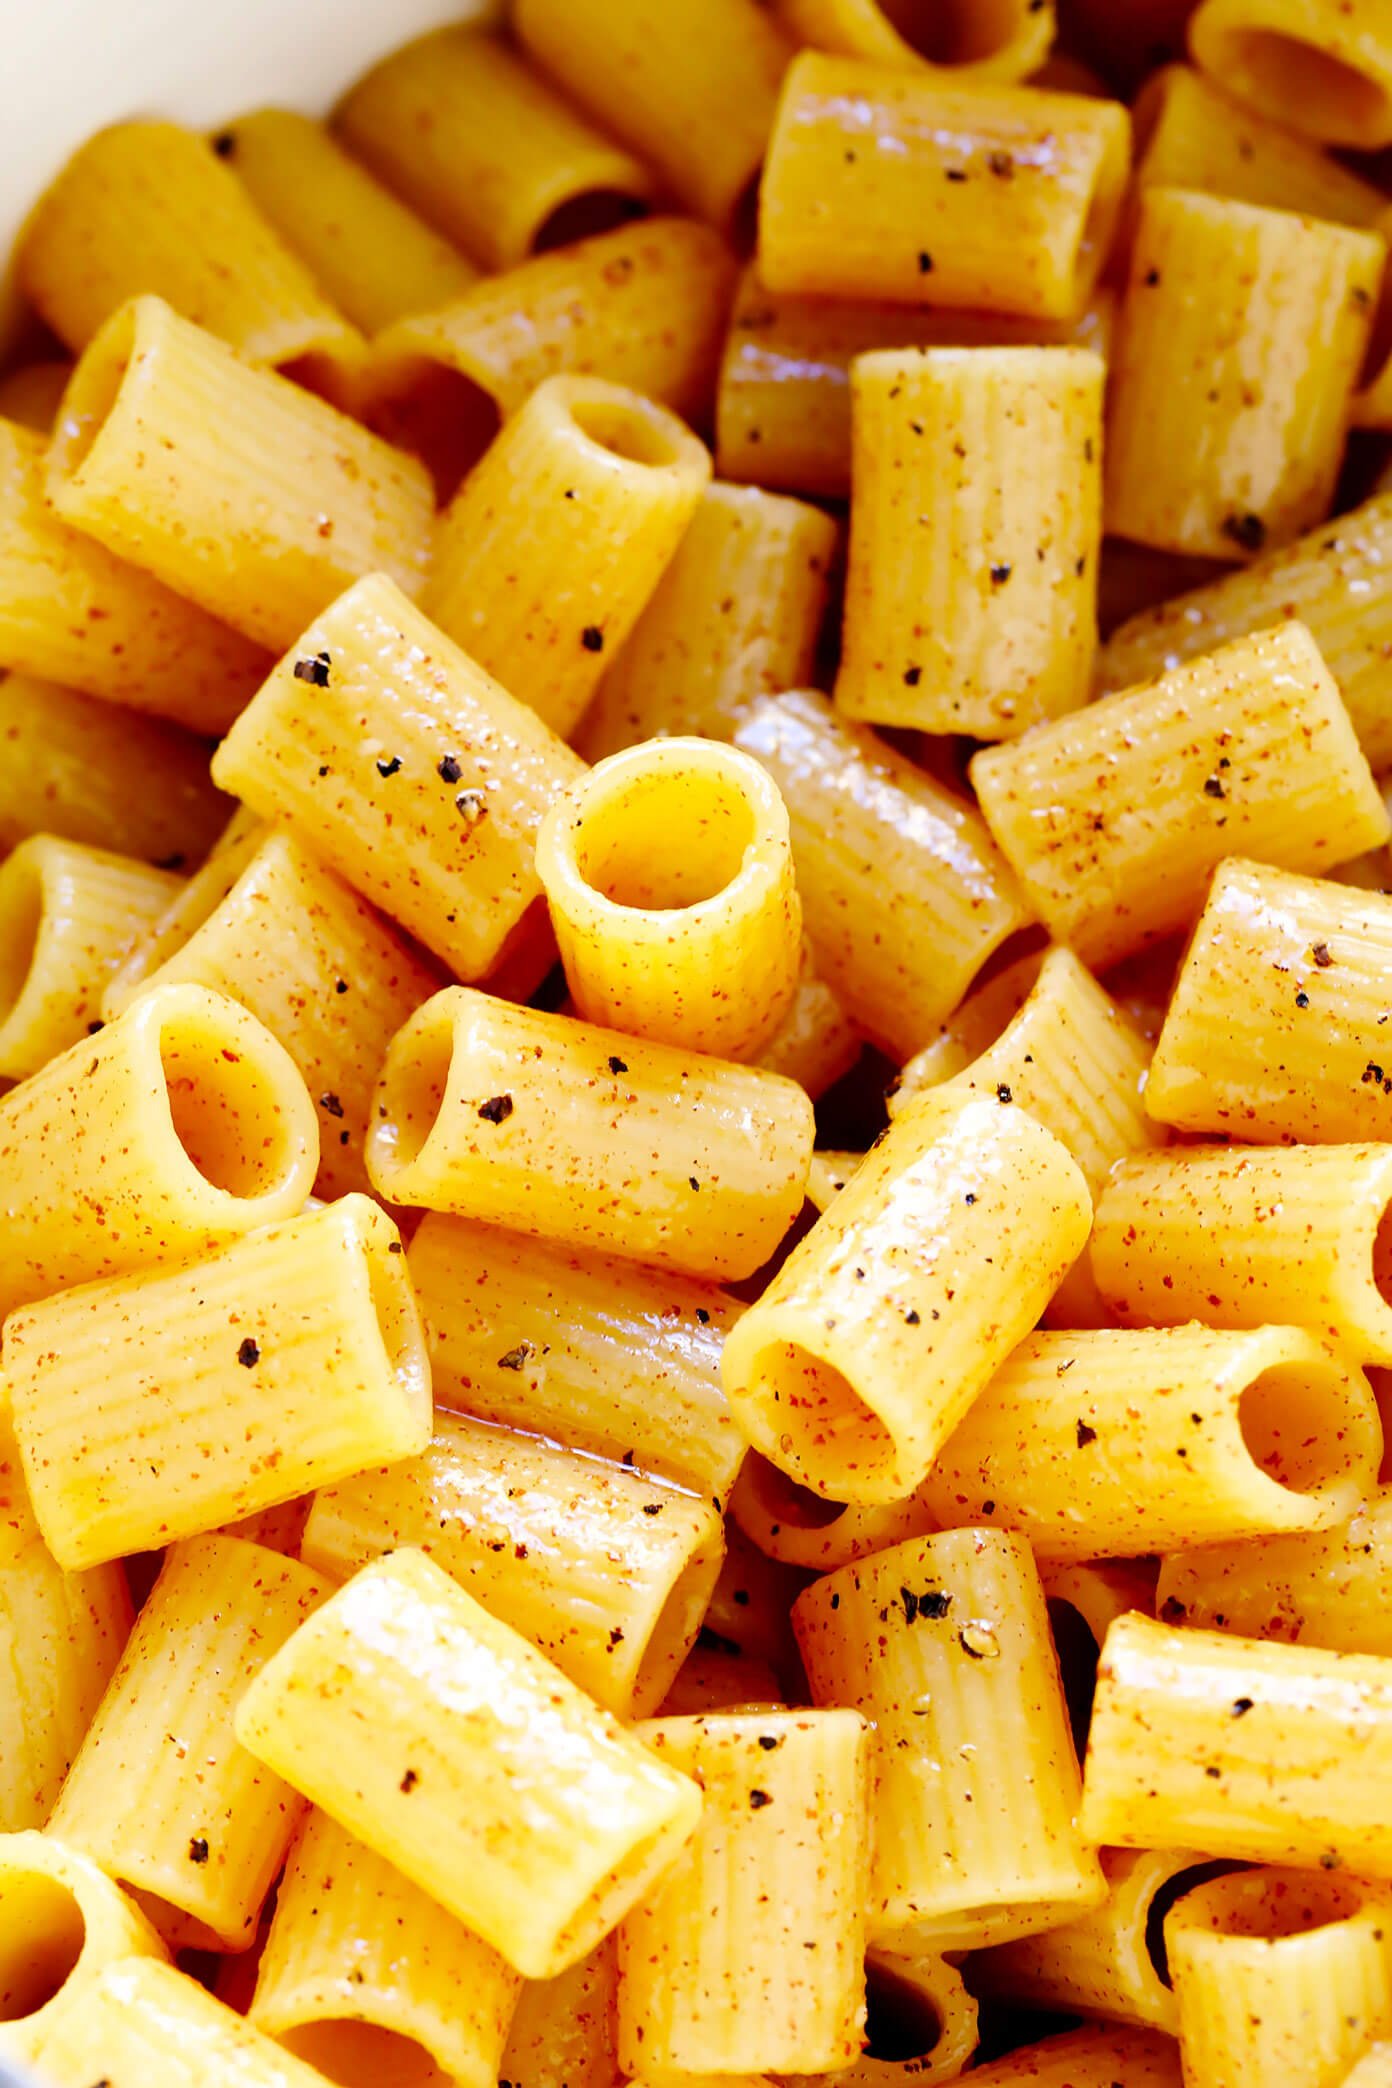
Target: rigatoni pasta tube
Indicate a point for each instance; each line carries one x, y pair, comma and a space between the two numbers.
1263, 1753
195, 899
365, 1977
72, 613
885, 183
862, 1355
1213, 339
1002, 40
1280, 1979
816, 1042
161, 1795
1243, 1238
605, 1572
407, 768
373, 255
1330, 1588
68, 915
1323, 67
166, 1135
1373, 2070
432, 1732
485, 149
64, 1921
932, 2018
1273, 1031
1120, 1441
60, 1639
262, 531
551, 549
904, 894
176, 1399
690, 87
943, 1642
1095, 2057
1256, 754
971, 590
748, 1955
562, 2034
698, 946
550, 1126
594, 1352
799, 1528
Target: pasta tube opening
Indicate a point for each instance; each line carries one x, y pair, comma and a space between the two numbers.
1300, 85
226, 1089
1167, 1896
412, 1091
92, 393
1296, 1420
440, 415
674, 1632
616, 855
356, 2054
1077, 1647
42, 1935
634, 428
585, 217
823, 1423
904, 2025
21, 920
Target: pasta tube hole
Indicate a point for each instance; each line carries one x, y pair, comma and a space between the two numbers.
92, 392
440, 415
1269, 1905
226, 1108
1299, 1425
623, 840
356, 2054
821, 1422
1296, 81
632, 428
674, 1633
1077, 1651
586, 215
780, 1503
21, 921
42, 1933
398, 1317
412, 1092
1166, 1896
953, 32
901, 2023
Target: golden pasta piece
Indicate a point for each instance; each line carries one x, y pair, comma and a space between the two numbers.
1280, 1979
690, 85
816, 1042
373, 255
161, 1795
736, 614
748, 1955
68, 915
1323, 67
145, 208
1000, 40
562, 2033
1114, 818
484, 149
432, 1731
972, 589
885, 183
1333, 580
552, 548
176, 1399
886, 1321
1214, 339
264, 530
63, 1922
72, 613
589, 1137
698, 945
195, 899
32, 394
1330, 1588
605, 1572
1084, 1602
943, 1642
1274, 1030
407, 768
828, 1175
722, 1678
1123, 1441
367, 1978
904, 894
1374, 2070
919, 1989
790, 1523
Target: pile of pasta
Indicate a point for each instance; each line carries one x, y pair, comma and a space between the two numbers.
696, 1166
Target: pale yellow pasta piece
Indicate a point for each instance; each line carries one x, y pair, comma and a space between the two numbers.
433, 1732
481, 145
816, 1042
1214, 341
605, 1572
1098, 2057
1330, 1588
31, 395
589, 1137
367, 1978
1373, 2070
228, 483
562, 2033
943, 1642
904, 894
552, 548
411, 772
594, 1352
929, 1991
748, 1955
791, 1524
1323, 67
722, 1678
828, 1175
884, 1324
859, 198
971, 591
63, 1922
1000, 40
60, 1638
736, 615
161, 1795
173, 1400
1114, 818
68, 915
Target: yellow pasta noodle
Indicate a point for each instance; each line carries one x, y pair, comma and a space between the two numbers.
1330, 1588
883, 1325
943, 1642
562, 2034
175, 1399
431, 1730
1001, 40
828, 1175
1213, 339
904, 894
196, 898
63, 1923
1095, 2057
859, 198
605, 1572
748, 1954
367, 1978
161, 1795
800, 1528
484, 149
816, 1042
1121, 1441
551, 549
1114, 818
1320, 66
589, 1137
971, 595
1374, 2070
262, 530
929, 2000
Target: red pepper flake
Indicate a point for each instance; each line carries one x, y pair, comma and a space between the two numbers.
248, 1355
390, 766
198, 1849
1247, 531
1085, 1435
496, 1110
448, 769
330, 1104
758, 1800
592, 638
515, 1357
314, 670
409, 1782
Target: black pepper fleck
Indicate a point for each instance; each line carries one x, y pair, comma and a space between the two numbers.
912, 677
618, 1065
248, 1354
999, 575
925, 264
759, 1799
1247, 531
592, 638
1241, 1706
1085, 1435
314, 670
198, 1849
390, 766
496, 1110
330, 1104
515, 1357
409, 1781
448, 769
